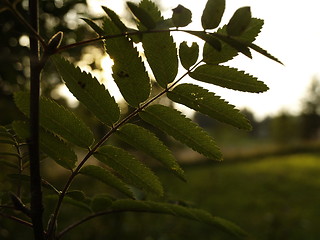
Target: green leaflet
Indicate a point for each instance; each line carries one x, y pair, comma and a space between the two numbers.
179, 211
239, 21
212, 14
129, 72
181, 16
76, 195
88, 91
188, 55
68, 200
49, 144
94, 26
8, 148
57, 119
143, 15
160, 49
132, 170
263, 52
147, 142
227, 52
106, 177
115, 19
100, 203
208, 103
181, 128
228, 78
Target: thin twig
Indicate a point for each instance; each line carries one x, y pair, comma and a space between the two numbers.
19, 220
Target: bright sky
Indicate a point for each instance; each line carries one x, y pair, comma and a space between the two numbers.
291, 33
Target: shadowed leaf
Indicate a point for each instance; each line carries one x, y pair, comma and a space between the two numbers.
131, 170
227, 77
106, 177
88, 91
147, 142
181, 128
57, 119
208, 103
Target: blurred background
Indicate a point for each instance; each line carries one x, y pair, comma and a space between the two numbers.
269, 180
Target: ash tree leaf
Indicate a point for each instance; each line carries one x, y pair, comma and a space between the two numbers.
115, 19
129, 168
227, 52
106, 177
239, 21
182, 129
203, 101
181, 16
146, 141
188, 55
179, 211
88, 91
57, 119
142, 15
160, 49
227, 77
50, 144
129, 71
212, 14
94, 26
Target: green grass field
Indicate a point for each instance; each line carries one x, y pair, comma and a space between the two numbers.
272, 198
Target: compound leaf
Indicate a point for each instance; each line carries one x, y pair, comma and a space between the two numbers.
160, 49
50, 144
132, 170
106, 177
146, 141
57, 119
129, 72
227, 77
188, 55
208, 103
181, 128
212, 14
180, 211
88, 91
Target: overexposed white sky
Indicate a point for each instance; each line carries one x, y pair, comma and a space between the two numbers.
291, 33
